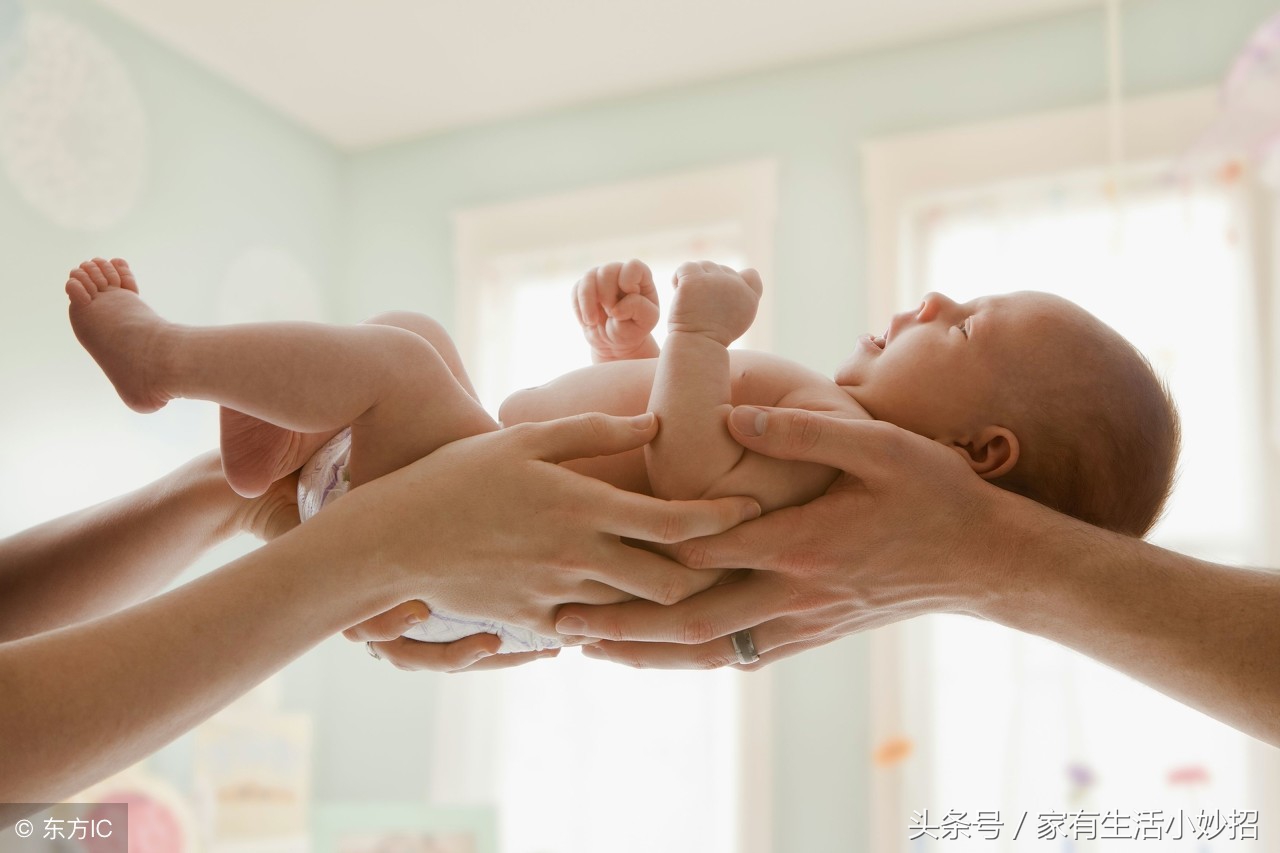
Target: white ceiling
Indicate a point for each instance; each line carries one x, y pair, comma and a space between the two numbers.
370, 72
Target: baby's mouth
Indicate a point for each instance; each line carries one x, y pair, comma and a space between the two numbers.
880, 340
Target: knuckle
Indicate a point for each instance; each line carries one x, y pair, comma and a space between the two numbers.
804, 432
711, 660
669, 591
694, 555
697, 632
594, 424
672, 528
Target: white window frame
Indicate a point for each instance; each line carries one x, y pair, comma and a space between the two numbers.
901, 170
741, 194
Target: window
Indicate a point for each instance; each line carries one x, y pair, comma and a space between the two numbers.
578, 755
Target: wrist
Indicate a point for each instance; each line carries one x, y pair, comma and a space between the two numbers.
648, 348
696, 334
1034, 562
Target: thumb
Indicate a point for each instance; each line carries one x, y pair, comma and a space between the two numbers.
591, 434
838, 440
389, 624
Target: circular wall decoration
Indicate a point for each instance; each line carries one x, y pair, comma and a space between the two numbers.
73, 130
11, 42
264, 285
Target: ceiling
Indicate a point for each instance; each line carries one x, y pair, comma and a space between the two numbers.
366, 73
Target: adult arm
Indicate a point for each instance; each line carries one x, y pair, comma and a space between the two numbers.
100, 559
907, 530
85, 700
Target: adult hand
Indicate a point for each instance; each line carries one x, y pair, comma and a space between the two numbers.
900, 533
493, 526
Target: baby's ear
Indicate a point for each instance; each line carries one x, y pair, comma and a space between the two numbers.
992, 452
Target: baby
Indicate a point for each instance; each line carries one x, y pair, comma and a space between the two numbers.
1034, 393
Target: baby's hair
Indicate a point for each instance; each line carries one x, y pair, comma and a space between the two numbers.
1101, 442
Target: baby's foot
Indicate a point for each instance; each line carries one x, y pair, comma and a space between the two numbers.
122, 334
256, 454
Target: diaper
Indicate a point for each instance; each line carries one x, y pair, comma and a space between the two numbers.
325, 478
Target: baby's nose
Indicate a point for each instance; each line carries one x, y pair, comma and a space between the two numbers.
934, 304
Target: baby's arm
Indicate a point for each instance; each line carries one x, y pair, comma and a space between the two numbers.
694, 454
691, 394
617, 307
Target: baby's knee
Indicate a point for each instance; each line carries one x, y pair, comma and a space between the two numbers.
420, 324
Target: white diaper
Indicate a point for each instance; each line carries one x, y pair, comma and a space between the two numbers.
325, 478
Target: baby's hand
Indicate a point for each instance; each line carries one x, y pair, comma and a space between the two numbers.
617, 306
714, 300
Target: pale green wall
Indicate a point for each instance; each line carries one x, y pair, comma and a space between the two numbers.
813, 120
374, 231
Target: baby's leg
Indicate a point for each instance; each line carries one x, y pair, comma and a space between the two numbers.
389, 384
256, 453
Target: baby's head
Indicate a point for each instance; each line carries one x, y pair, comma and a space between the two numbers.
1038, 395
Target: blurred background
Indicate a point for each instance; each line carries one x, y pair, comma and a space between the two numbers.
328, 160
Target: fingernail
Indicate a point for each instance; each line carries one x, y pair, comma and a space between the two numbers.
748, 420
414, 618
571, 625
479, 656
642, 422
750, 511
593, 651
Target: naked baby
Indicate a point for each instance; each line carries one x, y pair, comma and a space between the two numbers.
1037, 395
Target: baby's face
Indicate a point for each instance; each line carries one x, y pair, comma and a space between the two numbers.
944, 370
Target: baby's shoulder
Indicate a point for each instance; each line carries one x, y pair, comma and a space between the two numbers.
763, 379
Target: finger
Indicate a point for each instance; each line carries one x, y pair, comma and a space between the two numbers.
637, 278
765, 543
713, 655
716, 613
575, 297
646, 575
638, 309
589, 300
412, 655
752, 278
608, 289
586, 435
639, 516
842, 443
509, 660
390, 624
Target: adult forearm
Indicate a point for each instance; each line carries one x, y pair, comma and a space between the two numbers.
108, 556
1205, 634
85, 701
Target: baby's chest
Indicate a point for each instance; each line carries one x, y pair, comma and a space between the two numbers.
759, 379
